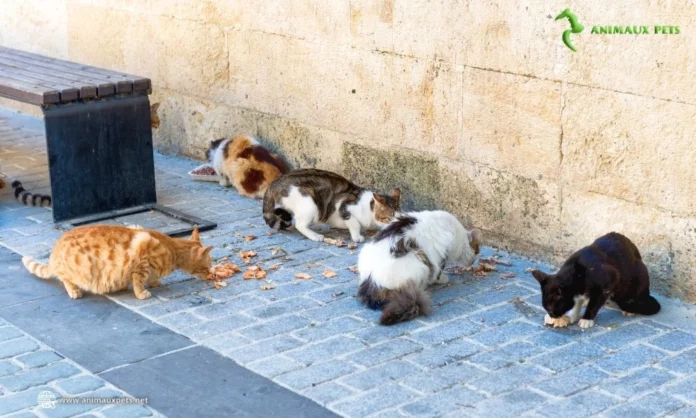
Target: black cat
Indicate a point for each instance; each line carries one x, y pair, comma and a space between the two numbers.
610, 268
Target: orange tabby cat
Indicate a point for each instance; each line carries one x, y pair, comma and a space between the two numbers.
102, 259
246, 164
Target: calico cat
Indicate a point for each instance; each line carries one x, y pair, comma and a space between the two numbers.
408, 255
102, 259
610, 268
30, 199
314, 196
246, 164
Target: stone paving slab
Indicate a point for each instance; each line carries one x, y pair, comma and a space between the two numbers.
482, 352
29, 368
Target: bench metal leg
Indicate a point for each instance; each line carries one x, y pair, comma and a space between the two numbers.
100, 156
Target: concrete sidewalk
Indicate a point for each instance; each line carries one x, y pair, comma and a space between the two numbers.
482, 352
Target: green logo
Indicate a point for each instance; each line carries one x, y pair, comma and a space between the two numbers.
575, 27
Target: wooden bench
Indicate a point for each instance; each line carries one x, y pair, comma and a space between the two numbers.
98, 135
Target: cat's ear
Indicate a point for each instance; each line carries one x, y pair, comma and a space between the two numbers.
195, 236
475, 236
378, 198
540, 276
396, 194
154, 107
204, 251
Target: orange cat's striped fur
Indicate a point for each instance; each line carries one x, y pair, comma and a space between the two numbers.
246, 164
102, 259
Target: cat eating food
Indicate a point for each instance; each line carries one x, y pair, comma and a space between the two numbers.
408, 255
609, 269
245, 164
314, 196
102, 259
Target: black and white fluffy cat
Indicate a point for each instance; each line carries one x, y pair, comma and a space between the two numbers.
611, 268
313, 196
408, 255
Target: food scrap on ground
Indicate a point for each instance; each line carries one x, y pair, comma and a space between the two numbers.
246, 256
303, 276
505, 276
223, 271
483, 268
495, 260
249, 238
275, 266
352, 245
276, 251
330, 274
338, 242
268, 286
254, 272
561, 322
458, 270
354, 269
337, 294
219, 284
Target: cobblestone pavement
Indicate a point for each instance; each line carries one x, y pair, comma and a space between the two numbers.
29, 368
482, 352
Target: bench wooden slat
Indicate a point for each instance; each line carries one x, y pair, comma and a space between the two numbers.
27, 92
89, 88
104, 88
67, 92
140, 84
78, 69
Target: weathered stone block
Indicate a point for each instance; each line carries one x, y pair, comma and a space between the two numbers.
633, 148
512, 123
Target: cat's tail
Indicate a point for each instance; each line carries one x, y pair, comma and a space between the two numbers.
404, 304
30, 199
42, 271
646, 306
276, 218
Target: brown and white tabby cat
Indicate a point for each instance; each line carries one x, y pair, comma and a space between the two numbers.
609, 269
246, 164
103, 258
316, 196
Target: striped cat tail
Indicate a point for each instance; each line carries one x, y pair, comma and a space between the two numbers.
30, 199
42, 271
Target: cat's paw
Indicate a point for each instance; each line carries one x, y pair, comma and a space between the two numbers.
561, 322
316, 237
586, 323
442, 279
359, 238
74, 293
574, 318
145, 294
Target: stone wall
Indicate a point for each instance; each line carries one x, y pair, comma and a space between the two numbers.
474, 107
